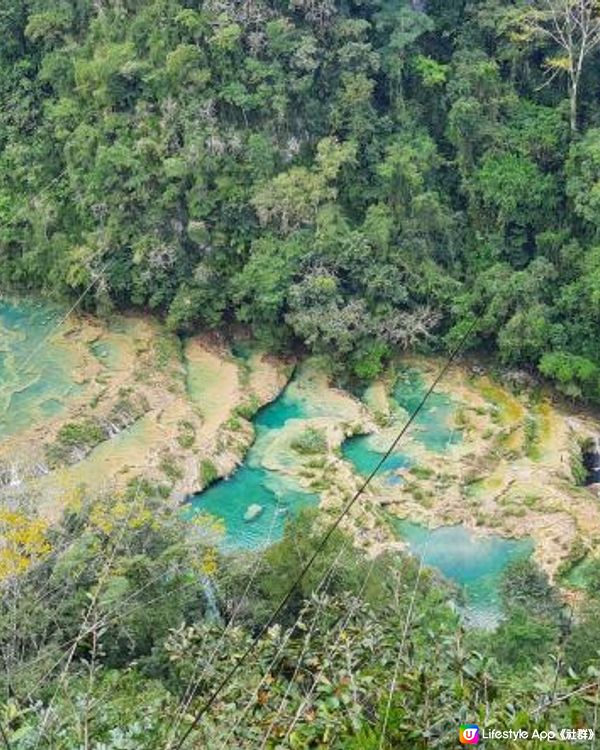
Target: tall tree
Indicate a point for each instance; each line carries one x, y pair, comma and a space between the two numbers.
574, 27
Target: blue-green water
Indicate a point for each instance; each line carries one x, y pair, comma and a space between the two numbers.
36, 384
364, 455
278, 494
475, 563
229, 500
276, 414
433, 425
35, 372
432, 428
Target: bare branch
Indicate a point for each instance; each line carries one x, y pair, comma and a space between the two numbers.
574, 26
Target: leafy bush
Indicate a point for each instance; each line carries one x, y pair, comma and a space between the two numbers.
575, 376
73, 440
526, 587
87, 433
248, 409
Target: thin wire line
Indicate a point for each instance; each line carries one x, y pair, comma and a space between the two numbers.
240, 661
86, 291
106, 569
305, 646
24, 363
345, 544
279, 653
344, 624
559, 663
110, 618
193, 683
407, 623
45, 591
293, 627
73, 307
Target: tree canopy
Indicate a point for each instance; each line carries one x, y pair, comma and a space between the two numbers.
352, 177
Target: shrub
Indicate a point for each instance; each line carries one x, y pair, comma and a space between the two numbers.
187, 434
248, 409
87, 433
311, 441
208, 472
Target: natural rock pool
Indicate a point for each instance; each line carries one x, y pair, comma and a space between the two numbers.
275, 492
35, 370
37, 382
475, 563
432, 428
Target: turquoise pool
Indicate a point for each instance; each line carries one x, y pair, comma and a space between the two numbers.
278, 494
35, 372
433, 428
475, 563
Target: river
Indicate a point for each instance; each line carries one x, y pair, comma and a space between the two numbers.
475, 563
466, 469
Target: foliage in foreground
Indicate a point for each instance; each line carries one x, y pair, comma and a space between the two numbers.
109, 643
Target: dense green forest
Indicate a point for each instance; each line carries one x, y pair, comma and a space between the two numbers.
349, 179
353, 177
108, 642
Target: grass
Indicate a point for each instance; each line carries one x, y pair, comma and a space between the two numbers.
249, 408
186, 436
167, 349
421, 472
74, 436
578, 470
509, 409
531, 437
311, 441
208, 472
516, 511
531, 501
83, 433
461, 419
382, 419
170, 467
317, 463
233, 423
423, 497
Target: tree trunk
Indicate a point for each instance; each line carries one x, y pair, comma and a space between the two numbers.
573, 103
